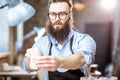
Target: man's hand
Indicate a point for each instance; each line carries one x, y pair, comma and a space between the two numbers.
49, 63
52, 63
30, 53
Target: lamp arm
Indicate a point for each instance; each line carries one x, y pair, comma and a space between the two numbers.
12, 3
2, 6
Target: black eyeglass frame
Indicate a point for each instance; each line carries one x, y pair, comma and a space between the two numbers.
58, 14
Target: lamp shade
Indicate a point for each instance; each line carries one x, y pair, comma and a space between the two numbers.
20, 13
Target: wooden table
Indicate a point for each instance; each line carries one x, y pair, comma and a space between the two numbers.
19, 74
14, 73
4, 57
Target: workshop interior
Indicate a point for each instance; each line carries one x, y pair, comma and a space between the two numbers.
23, 21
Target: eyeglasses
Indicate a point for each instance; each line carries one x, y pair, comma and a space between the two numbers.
61, 15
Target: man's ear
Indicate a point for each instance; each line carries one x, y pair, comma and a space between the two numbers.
71, 13
71, 2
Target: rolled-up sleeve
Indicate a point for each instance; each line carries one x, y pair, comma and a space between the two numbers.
87, 47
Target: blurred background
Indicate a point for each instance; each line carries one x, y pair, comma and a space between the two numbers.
99, 18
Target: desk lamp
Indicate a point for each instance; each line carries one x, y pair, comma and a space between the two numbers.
18, 11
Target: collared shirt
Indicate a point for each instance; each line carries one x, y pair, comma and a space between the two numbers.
82, 43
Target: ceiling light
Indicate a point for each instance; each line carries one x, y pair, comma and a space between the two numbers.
78, 5
108, 4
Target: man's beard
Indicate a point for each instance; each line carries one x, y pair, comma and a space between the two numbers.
60, 34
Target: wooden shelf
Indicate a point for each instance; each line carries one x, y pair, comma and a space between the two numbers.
4, 55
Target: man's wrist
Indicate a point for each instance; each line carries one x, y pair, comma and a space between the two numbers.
61, 60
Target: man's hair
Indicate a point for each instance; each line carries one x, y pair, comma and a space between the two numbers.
69, 2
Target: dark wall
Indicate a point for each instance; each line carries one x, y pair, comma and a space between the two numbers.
101, 32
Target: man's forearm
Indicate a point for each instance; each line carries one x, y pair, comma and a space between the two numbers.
74, 61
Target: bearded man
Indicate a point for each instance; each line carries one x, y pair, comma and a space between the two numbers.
65, 52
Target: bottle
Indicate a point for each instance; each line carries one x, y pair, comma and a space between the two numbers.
33, 59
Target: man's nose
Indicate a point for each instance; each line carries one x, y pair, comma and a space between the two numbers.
57, 18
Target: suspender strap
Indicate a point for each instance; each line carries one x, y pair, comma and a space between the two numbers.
50, 48
71, 44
